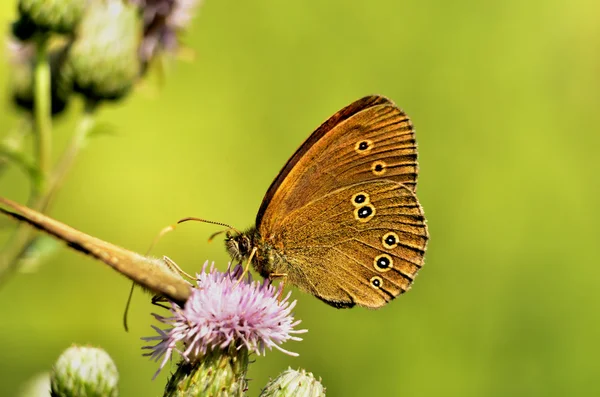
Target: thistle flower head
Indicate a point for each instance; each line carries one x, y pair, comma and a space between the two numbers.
61, 16
103, 61
163, 20
225, 311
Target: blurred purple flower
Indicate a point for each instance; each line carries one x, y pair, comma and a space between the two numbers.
225, 311
163, 20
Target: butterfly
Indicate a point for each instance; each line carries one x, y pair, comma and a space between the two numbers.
341, 220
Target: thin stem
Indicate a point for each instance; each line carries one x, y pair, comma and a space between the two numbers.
24, 234
78, 141
42, 115
11, 149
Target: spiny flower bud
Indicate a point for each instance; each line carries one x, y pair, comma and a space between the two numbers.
60, 16
292, 383
84, 371
103, 60
219, 374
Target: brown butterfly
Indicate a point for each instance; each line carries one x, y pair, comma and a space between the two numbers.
341, 221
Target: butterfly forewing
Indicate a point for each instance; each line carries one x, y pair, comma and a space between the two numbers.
325, 128
373, 141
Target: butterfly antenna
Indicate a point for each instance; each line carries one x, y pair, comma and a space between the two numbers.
160, 235
172, 227
212, 236
191, 218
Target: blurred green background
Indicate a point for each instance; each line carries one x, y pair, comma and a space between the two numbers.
504, 97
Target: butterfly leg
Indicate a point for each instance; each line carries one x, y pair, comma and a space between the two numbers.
172, 227
174, 267
283, 277
157, 300
247, 267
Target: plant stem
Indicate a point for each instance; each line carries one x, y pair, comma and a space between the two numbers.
78, 141
11, 149
24, 234
42, 115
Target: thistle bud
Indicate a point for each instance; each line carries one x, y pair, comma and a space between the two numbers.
292, 383
84, 371
103, 61
60, 16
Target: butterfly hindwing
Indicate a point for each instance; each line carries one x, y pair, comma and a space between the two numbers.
360, 244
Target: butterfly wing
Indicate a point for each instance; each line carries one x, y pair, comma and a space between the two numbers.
370, 139
360, 244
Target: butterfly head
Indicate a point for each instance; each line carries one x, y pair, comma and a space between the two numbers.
238, 245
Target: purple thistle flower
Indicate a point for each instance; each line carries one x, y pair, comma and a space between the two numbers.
225, 312
163, 20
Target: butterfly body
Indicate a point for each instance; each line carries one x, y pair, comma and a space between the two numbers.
341, 221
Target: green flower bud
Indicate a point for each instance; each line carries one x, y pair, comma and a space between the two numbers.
292, 383
61, 16
220, 373
84, 371
103, 61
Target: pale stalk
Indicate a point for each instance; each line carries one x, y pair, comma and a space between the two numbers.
24, 235
11, 148
42, 116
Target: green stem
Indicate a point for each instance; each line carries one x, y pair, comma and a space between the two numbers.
24, 234
42, 115
11, 149
78, 141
